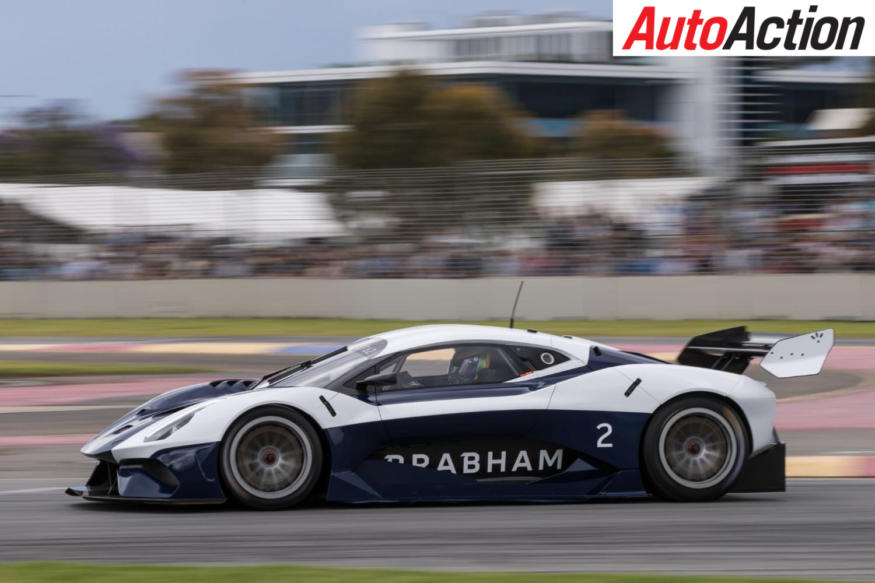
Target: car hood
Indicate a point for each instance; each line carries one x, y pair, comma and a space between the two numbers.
160, 407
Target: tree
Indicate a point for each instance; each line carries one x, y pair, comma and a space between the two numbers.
624, 148
389, 124
58, 140
209, 128
476, 122
408, 121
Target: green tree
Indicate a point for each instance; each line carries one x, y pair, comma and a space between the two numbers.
407, 120
58, 140
410, 121
476, 122
390, 125
623, 148
209, 128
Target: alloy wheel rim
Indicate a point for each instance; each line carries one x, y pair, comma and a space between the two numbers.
270, 457
698, 448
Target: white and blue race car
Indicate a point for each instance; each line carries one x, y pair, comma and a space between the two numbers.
459, 412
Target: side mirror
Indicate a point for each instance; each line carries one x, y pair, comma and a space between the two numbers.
377, 380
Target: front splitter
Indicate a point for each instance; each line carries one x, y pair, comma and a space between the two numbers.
82, 492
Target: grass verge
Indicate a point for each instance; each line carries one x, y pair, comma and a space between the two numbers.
85, 573
296, 327
23, 368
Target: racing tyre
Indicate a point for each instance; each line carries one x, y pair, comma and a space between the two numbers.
271, 458
694, 450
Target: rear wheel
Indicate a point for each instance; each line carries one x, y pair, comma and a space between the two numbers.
271, 458
694, 449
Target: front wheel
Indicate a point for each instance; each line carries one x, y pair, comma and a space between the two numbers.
271, 458
694, 450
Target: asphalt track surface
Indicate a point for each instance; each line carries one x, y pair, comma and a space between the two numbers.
818, 528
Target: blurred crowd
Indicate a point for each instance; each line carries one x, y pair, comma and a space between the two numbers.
705, 236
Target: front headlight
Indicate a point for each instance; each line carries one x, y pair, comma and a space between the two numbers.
170, 429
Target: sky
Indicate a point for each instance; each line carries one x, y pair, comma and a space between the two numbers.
114, 56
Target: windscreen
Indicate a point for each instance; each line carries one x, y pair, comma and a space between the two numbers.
323, 372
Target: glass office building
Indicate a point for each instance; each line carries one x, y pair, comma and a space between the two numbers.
557, 67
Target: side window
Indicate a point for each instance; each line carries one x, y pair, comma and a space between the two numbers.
465, 364
428, 364
534, 358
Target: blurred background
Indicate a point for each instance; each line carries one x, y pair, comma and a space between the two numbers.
485, 144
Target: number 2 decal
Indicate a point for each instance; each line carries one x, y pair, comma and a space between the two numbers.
606, 427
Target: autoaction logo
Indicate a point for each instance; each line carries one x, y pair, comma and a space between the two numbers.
743, 28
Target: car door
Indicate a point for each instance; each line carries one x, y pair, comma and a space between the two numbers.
460, 419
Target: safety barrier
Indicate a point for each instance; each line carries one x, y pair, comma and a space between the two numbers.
792, 296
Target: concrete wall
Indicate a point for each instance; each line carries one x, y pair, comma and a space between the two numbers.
818, 296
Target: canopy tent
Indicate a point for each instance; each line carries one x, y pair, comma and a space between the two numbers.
839, 120
645, 201
259, 216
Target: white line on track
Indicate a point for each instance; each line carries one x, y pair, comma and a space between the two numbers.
30, 490
34, 479
59, 408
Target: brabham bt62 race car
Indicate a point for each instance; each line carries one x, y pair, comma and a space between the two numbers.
458, 412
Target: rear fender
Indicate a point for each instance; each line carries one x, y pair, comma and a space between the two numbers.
753, 398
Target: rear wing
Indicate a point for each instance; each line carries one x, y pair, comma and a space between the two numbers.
783, 356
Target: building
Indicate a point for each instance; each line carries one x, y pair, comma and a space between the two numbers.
556, 67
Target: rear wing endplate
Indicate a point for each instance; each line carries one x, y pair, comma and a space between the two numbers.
783, 356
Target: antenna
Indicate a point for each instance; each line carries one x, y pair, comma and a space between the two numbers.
516, 301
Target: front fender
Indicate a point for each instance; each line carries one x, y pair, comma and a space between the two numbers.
159, 410
212, 420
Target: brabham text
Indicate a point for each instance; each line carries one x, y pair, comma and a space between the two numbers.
490, 463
